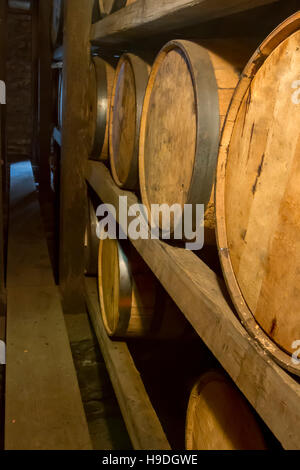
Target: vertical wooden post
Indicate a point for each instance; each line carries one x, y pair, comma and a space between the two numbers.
45, 96
78, 15
34, 71
3, 160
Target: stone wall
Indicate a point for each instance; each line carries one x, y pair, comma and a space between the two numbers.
19, 86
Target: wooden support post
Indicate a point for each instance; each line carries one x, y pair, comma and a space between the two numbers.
45, 96
74, 156
3, 161
34, 80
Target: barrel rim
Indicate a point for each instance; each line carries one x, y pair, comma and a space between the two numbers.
99, 67
125, 291
280, 34
204, 82
140, 74
211, 375
92, 240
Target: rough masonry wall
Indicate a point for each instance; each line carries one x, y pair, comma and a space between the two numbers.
19, 86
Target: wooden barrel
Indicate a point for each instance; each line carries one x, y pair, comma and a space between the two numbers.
132, 302
60, 100
257, 194
100, 90
219, 417
187, 97
126, 107
91, 241
57, 25
107, 7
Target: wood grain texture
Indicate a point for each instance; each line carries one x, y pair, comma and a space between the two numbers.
258, 191
142, 423
219, 418
126, 108
199, 294
127, 290
43, 403
148, 17
74, 153
187, 97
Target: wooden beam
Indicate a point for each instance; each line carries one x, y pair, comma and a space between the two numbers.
142, 423
199, 294
149, 17
34, 79
74, 152
45, 96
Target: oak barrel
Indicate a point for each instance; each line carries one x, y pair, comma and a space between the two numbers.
99, 95
187, 97
258, 197
132, 302
91, 240
57, 24
219, 417
126, 107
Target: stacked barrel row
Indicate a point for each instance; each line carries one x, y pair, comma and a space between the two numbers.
203, 124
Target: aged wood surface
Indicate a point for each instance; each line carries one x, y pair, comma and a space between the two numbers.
142, 423
219, 418
148, 17
199, 294
129, 88
257, 192
187, 97
74, 152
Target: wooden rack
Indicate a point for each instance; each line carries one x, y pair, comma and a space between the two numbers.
145, 17
197, 291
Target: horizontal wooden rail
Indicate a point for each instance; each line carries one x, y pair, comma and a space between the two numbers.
150, 17
199, 293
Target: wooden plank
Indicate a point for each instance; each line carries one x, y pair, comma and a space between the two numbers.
149, 17
43, 403
57, 136
199, 293
142, 423
74, 153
